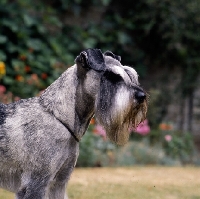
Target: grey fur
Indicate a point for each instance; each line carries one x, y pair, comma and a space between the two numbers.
37, 151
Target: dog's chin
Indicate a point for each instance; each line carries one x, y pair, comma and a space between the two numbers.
118, 127
120, 134
119, 137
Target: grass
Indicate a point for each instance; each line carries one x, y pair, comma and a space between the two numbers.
132, 183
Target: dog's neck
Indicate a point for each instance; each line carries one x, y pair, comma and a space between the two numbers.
62, 97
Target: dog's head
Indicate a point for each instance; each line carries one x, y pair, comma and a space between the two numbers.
120, 103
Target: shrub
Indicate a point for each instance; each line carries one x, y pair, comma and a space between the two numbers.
33, 54
143, 153
179, 146
86, 152
96, 150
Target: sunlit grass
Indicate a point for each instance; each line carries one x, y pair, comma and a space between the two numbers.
132, 183
136, 183
6, 195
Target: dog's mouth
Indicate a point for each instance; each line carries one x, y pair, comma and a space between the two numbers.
140, 112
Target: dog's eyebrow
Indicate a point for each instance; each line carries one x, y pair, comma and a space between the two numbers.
132, 78
132, 74
117, 70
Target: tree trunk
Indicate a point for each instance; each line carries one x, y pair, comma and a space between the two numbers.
190, 111
182, 114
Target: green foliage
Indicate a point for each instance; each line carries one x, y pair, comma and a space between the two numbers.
96, 151
86, 154
37, 46
180, 147
33, 54
169, 36
47, 35
143, 153
157, 107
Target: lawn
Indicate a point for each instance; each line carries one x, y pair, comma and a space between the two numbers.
133, 182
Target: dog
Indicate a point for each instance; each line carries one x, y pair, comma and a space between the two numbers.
40, 136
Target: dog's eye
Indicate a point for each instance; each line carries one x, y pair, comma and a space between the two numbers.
113, 77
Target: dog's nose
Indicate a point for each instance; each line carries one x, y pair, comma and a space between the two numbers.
140, 96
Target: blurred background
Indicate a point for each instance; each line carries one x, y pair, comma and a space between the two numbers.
160, 39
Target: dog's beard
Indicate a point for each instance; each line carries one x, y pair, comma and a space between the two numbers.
120, 115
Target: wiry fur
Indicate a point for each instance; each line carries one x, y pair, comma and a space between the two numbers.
37, 150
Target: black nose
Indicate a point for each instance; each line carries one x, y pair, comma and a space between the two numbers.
140, 96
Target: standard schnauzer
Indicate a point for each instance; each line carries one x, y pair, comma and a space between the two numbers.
39, 137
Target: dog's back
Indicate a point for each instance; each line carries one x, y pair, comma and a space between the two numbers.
9, 174
3, 133
2, 113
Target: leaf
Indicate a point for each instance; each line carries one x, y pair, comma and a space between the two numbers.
123, 38
89, 43
12, 48
106, 2
17, 63
35, 44
28, 20
3, 39
10, 24
2, 56
41, 29
8, 80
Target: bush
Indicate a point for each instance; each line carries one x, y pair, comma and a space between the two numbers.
33, 54
179, 146
37, 45
143, 153
96, 150
86, 152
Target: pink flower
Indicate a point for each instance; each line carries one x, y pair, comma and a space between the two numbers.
168, 138
2, 89
143, 128
99, 130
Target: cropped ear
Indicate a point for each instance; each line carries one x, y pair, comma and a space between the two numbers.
109, 53
91, 59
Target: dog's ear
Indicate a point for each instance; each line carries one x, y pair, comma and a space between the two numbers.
91, 59
109, 53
